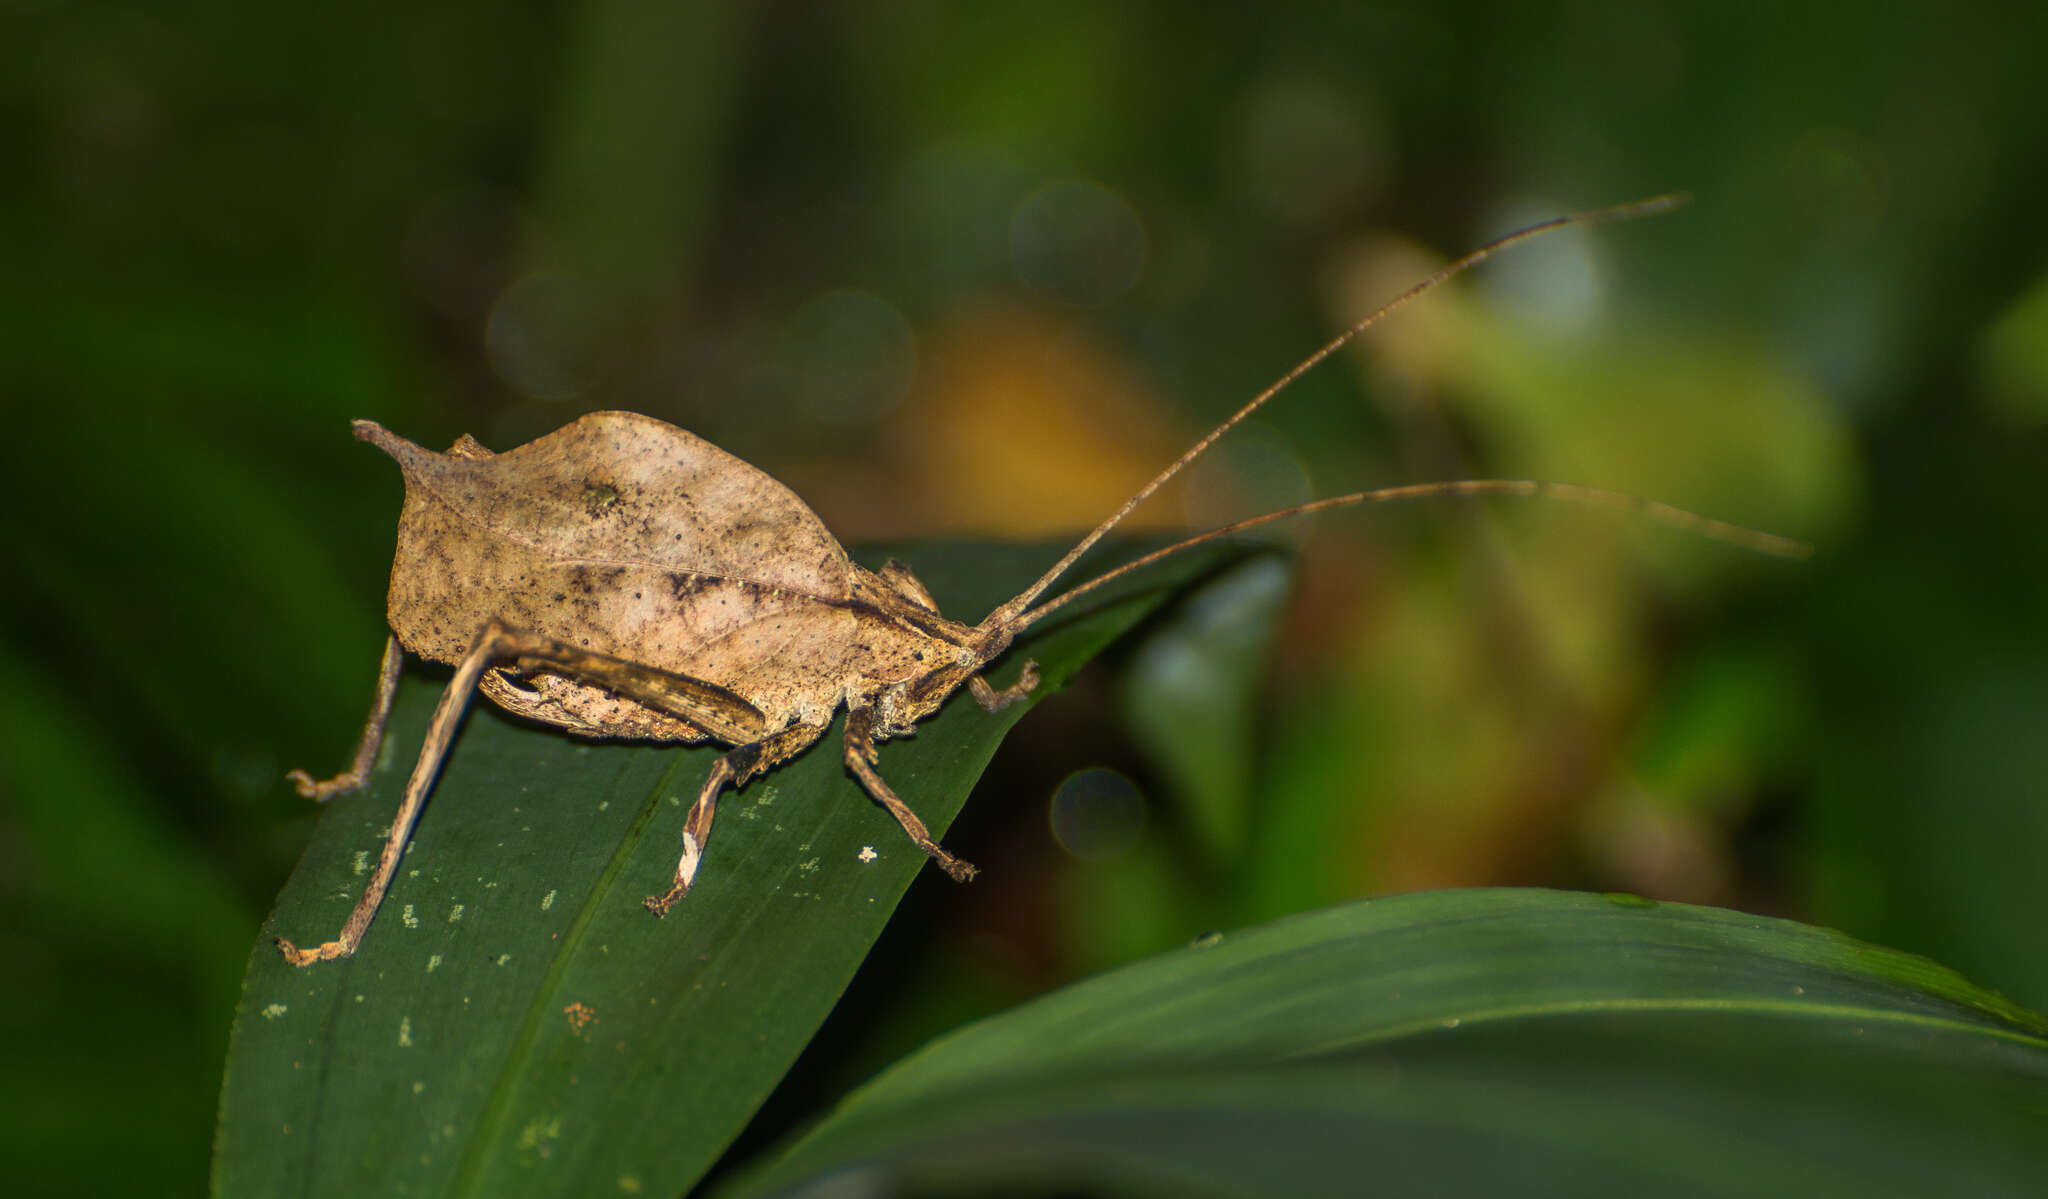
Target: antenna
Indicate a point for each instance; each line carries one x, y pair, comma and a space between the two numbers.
1662, 513
1008, 613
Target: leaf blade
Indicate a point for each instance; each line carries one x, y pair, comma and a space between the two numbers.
1452, 1042
514, 1019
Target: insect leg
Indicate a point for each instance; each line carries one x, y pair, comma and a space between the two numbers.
993, 700
860, 758
373, 735
724, 714
898, 576
736, 767
696, 831
719, 712
491, 644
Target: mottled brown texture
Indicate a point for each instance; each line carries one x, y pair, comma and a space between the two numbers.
623, 578
632, 538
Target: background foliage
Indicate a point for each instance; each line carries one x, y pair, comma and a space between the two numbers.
978, 268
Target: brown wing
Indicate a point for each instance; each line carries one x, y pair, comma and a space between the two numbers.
628, 536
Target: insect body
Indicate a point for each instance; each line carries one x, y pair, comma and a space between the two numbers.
600, 578
620, 577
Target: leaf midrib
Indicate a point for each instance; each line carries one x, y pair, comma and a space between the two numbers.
493, 1124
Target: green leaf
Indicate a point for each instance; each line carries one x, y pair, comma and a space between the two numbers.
1469, 1042
1190, 696
514, 1021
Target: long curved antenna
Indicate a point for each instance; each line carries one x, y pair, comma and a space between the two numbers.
1679, 518
1008, 613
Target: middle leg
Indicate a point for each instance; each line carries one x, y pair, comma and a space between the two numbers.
736, 767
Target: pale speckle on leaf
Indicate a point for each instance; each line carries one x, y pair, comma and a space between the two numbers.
538, 1133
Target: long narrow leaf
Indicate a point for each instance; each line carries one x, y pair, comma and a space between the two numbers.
1469, 1042
514, 1021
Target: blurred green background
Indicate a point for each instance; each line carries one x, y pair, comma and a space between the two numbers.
979, 269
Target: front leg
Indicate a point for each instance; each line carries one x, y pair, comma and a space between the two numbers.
992, 700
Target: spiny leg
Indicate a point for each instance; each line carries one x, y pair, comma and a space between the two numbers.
736, 767
439, 733
691, 699
372, 739
992, 700
696, 831
860, 758
717, 711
